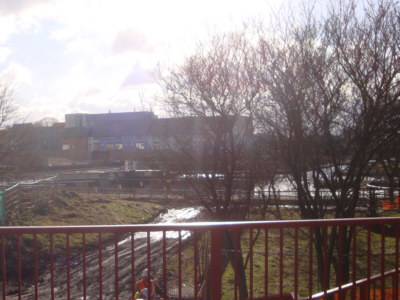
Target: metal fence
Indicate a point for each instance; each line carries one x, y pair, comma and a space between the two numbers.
12, 199
104, 262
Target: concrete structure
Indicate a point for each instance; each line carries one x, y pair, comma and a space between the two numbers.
29, 138
75, 139
83, 134
95, 120
126, 135
198, 134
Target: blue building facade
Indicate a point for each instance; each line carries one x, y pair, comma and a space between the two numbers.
125, 132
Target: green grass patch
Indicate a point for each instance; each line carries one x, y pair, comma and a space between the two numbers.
70, 208
286, 237
64, 208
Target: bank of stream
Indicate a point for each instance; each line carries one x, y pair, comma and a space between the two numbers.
108, 263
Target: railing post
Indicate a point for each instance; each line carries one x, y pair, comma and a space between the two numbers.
2, 208
363, 292
215, 273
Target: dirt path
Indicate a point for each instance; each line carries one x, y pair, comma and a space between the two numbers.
108, 274
108, 259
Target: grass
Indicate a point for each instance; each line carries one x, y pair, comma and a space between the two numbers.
70, 208
44, 208
274, 264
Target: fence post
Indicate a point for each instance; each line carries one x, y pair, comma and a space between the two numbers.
2, 208
216, 257
363, 292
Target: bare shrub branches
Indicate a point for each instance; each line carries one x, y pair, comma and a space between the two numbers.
330, 102
324, 93
7, 105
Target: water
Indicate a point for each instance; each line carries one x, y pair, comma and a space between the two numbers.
172, 216
285, 185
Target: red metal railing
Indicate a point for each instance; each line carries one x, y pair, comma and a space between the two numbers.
280, 260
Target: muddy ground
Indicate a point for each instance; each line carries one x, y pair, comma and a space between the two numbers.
108, 266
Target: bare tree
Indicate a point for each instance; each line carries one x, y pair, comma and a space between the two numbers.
388, 166
331, 100
46, 122
212, 89
7, 105
8, 111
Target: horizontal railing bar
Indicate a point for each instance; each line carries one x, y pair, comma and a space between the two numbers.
199, 226
11, 188
218, 249
358, 283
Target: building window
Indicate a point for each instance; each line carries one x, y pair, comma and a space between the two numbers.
139, 146
65, 147
114, 146
96, 146
156, 146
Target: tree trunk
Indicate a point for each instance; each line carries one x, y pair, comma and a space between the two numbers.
237, 263
228, 256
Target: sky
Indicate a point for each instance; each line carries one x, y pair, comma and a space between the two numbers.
99, 56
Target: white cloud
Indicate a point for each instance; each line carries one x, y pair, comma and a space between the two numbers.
82, 45
7, 28
13, 7
27, 23
107, 49
4, 53
88, 96
17, 75
138, 76
131, 40
38, 111
18, 16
